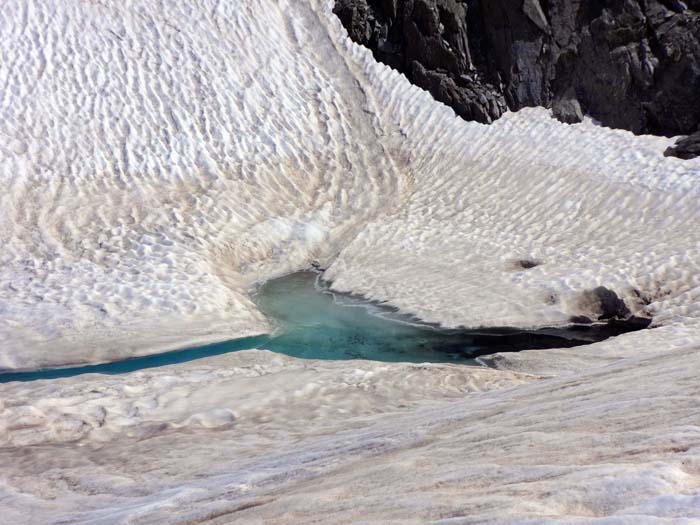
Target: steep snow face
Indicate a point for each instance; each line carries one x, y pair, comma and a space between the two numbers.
156, 160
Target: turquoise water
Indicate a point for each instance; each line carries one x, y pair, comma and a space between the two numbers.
317, 324
313, 323
140, 363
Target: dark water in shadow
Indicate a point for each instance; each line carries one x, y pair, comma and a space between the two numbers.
313, 323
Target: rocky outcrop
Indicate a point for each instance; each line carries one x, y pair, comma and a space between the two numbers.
566, 108
631, 64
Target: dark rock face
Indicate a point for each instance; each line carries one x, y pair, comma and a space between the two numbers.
686, 148
566, 108
631, 64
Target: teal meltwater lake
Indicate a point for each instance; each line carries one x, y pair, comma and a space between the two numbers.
314, 323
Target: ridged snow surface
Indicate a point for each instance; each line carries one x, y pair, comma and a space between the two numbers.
159, 158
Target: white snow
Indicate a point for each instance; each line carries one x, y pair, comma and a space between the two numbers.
159, 158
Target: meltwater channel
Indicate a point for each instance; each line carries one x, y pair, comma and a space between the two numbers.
314, 323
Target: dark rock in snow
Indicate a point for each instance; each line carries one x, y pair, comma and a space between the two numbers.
631, 64
611, 306
527, 264
685, 148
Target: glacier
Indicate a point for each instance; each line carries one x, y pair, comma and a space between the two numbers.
160, 158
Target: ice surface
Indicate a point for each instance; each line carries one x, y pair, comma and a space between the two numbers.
158, 158
255, 437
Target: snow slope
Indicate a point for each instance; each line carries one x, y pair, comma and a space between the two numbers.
146, 147
159, 158
261, 438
